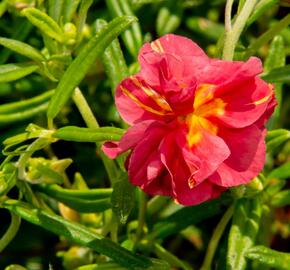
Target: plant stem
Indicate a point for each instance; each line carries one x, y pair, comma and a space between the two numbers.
217, 234
11, 232
233, 35
92, 122
165, 255
84, 109
141, 215
228, 16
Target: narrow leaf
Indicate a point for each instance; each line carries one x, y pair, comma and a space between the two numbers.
22, 48
113, 60
185, 217
243, 231
55, 8
268, 35
78, 134
123, 198
269, 257
281, 172
261, 7
58, 191
88, 55
13, 72
132, 37
281, 199
17, 106
23, 115
76, 233
45, 23
277, 75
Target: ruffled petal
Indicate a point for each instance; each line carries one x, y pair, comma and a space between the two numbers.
245, 104
204, 157
130, 139
145, 154
247, 156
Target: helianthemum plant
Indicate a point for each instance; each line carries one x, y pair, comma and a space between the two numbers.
144, 134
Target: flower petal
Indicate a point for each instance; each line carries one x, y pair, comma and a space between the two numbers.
128, 141
247, 156
145, 153
246, 103
209, 146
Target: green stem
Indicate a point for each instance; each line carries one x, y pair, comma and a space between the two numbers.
92, 122
165, 255
114, 228
84, 109
217, 234
233, 35
228, 16
11, 232
141, 215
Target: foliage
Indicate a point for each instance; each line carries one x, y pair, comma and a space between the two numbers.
60, 62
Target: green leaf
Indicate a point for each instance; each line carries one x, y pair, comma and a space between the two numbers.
88, 55
281, 172
70, 8
8, 178
281, 199
276, 138
15, 267
243, 232
113, 60
260, 8
55, 8
169, 18
278, 75
13, 72
17, 106
23, 115
276, 56
78, 134
269, 257
156, 265
268, 35
82, 16
76, 233
133, 36
22, 48
123, 198
19, 33
46, 24
273, 134
89, 194
185, 217
207, 28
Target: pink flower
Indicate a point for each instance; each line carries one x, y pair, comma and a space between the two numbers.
197, 123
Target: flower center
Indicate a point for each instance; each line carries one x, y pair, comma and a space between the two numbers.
205, 106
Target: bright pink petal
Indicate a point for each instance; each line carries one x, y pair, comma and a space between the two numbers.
135, 105
128, 141
145, 154
245, 104
173, 49
228, 74
203, 192
198, 156
247, 156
